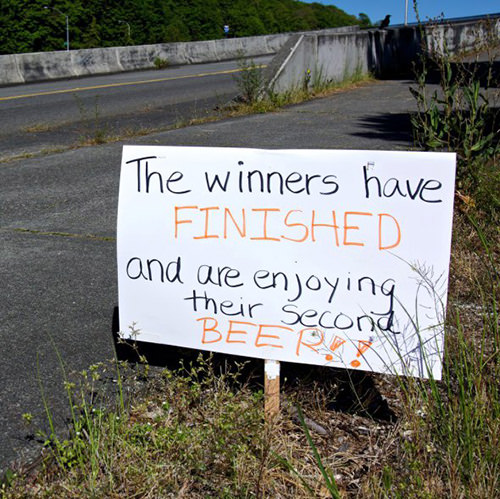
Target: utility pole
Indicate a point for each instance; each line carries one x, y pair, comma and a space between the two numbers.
406, 12
67, 24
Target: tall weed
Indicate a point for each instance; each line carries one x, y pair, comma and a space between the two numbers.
462, 114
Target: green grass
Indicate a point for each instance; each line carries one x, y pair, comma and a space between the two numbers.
192, 431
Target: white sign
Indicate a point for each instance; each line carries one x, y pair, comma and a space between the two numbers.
335, 258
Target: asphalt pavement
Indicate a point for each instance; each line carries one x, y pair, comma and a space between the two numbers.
56, 115
58, 228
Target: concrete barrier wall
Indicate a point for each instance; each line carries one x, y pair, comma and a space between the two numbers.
24, 68
462, 37
323, 57
334, 57
343, 56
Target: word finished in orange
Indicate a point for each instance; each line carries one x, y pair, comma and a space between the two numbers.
348, 228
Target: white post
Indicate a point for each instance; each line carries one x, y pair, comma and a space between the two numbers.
406, 12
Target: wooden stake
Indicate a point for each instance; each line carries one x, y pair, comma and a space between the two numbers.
271, 389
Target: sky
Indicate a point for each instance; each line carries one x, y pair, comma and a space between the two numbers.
428, 9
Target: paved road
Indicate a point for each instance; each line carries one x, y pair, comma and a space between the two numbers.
57, 229
57, 114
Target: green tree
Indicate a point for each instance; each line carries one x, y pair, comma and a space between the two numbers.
177, 31
91, 38
364, 20
26, 26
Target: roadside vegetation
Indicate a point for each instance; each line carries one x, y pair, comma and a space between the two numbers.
197, 430
39, 25
256, 97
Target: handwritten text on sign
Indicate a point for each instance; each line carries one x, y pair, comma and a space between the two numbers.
324, 257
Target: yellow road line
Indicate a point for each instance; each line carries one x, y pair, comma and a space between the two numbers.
123, 84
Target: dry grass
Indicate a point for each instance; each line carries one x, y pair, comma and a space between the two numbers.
37, 128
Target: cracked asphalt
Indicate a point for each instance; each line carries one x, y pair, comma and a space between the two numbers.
58, 228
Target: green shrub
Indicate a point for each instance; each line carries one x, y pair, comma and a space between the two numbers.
160, 63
